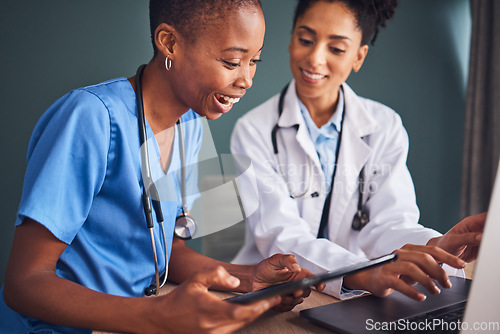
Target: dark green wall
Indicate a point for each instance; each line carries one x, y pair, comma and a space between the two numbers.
417, 67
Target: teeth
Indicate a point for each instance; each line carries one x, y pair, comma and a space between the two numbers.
230, 99
312, 75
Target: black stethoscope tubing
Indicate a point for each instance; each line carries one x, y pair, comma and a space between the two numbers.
274, 139
185, 226
361, 218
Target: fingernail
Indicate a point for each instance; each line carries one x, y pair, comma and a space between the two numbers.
437, 290
295, 266
461, 263
449, 283
233, 280
422, 297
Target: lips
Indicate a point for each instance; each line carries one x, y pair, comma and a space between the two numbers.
226, 100
224, 103
311, 76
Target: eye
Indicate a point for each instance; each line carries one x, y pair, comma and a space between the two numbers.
305, 42
336, 50
230, 64
255, 61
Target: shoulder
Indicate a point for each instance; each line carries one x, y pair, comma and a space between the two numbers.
389, 137
91, 101
85, 115
375, 116
263, 117
383, 114
251, 135
112, 94
116, 86
79, 108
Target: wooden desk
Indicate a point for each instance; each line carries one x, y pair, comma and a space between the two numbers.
290, 322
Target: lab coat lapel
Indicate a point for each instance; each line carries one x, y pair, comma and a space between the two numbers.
353, 155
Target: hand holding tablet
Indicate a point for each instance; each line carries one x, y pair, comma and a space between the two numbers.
289, 287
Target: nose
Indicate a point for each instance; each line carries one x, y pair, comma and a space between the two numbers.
316, 56
245, 77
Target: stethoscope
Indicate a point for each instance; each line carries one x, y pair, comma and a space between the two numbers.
185, 226
362, 217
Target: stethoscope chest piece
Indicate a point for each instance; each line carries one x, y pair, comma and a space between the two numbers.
360, 220
185, 227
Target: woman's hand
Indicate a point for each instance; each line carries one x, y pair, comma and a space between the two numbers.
415, 264
278, 269
463, 239
191, 308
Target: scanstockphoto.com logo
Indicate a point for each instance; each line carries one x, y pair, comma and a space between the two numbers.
431, 325
206, 182
298, 178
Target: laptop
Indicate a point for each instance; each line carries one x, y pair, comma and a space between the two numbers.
467, 307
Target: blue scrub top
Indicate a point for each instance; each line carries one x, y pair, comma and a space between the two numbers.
84, 184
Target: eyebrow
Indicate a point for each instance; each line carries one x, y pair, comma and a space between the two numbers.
312, 31
235, 48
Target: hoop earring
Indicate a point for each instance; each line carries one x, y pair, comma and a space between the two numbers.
168, 63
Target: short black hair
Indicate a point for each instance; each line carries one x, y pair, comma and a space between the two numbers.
190, 16
369, 14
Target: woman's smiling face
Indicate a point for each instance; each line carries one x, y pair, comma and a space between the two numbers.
325, 47
214, 72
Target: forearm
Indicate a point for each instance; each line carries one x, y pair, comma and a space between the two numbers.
33, 288
52, 299
185, 262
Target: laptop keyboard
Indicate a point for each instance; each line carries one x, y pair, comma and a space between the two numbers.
444, 320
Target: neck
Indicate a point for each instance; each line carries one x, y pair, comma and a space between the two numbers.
161, 107
321, 108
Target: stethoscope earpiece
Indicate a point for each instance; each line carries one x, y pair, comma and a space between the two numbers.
150, 290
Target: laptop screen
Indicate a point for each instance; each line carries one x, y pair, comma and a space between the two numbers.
483, 305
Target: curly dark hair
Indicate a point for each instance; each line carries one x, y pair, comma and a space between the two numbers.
369, 14
191, 16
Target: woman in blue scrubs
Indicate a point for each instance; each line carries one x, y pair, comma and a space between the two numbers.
81, 256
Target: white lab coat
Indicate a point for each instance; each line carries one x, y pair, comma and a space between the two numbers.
372, 136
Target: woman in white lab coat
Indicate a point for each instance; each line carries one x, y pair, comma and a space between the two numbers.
295, 140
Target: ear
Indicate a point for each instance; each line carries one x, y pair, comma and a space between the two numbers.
363, 50
165, 39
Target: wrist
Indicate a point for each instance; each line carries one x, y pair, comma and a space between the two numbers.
356, 281
434, 241
246, 274
149, 320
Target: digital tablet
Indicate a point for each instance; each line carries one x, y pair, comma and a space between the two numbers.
290, 287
